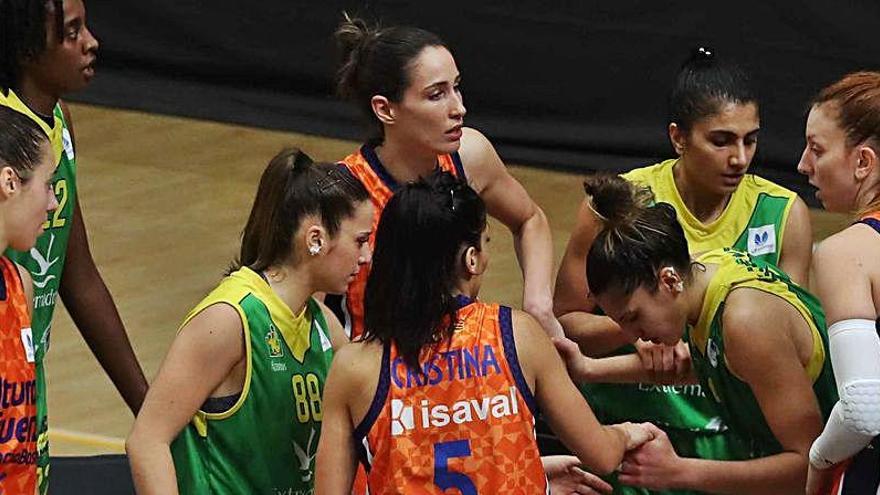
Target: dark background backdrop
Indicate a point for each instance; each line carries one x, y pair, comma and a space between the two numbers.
564, 84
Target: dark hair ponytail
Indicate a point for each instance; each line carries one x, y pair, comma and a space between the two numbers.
703, 85
377, 61
637, 239
292, 186
416, 263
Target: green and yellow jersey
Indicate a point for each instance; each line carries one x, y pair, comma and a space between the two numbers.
267, 440
45, 261
754, 221
732, 396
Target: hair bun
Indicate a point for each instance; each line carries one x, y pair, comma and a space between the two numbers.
352, 33
352, 37
615, 200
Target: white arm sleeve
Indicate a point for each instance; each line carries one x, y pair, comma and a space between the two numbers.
855, 420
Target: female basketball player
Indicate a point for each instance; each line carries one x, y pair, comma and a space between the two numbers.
841, 160
239, 393
26, 169
47, 52
442, 390
714, 129
405, 81
757, 341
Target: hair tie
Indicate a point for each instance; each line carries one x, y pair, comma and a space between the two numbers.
703, 55
595, 212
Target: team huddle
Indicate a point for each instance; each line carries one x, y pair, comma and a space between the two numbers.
681, 348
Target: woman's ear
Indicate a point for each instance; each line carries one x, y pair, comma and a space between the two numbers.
472, 261
383, 109
315, 239
9, 182
867, 162
678, 137
671, 280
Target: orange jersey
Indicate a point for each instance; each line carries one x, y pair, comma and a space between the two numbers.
18, 419
465, 423
366, 167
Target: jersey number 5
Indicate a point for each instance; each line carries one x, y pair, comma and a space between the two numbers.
443, 477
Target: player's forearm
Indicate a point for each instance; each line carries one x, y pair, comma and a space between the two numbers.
596, 335
780, 473
615, 369
152, 467
533, 244
92, 309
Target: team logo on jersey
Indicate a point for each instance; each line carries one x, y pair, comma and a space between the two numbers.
67, 142
41, 276
712, 353
305, 457
401, 417
426, 416
716, 424
273, 342
762, 240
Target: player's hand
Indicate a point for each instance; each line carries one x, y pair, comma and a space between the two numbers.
819, 481
666, 364
654, 465
636, 434
577, 364
566, 477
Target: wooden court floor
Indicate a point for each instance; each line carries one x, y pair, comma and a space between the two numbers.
164, 201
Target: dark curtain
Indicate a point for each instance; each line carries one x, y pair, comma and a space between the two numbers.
573, 84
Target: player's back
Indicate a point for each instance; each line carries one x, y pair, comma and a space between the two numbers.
465, 422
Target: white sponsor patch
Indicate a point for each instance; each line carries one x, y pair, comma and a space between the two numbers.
325, 341
67, 142
405, 417
762, 240
712, 353
27, 341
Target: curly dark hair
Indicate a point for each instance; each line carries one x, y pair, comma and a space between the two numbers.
23, 34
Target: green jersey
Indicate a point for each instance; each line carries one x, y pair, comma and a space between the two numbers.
45, 261
754, 220
266, 442
733, 397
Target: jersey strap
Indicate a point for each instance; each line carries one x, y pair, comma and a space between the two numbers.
871, 220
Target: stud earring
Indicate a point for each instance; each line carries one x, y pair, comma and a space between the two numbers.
314, 249
679, 286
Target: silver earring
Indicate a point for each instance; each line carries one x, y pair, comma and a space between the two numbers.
679, 286
314, 249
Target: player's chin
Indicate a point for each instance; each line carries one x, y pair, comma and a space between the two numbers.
447, 146
25, 244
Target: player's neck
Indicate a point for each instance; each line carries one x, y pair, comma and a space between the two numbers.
705, 206
696, 292
469, 288
404, 163
35, 97
290, 285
